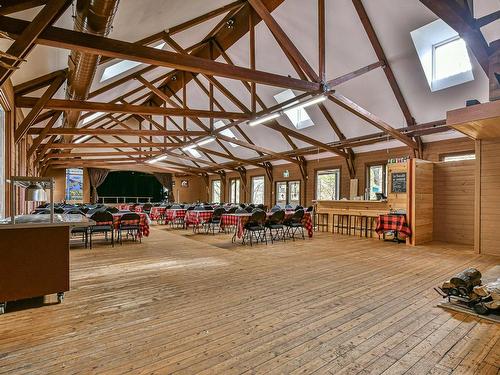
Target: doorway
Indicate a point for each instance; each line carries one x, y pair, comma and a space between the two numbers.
288, 193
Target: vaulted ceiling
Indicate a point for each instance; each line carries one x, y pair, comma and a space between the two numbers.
375, 107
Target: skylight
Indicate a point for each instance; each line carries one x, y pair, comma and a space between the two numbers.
194, 152
122, 66
298, 116
450, 58
443, 55
93, 116
226, 132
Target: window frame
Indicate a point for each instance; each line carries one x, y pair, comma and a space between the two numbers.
212, 190
442, 157
231, 190
384, 176
252, 188
338, 188
287, 182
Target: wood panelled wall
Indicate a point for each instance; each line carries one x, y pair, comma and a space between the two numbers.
15, 155
59, 176
490, 197
454, 201
432, 152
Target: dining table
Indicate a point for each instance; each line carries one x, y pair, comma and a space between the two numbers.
238, 221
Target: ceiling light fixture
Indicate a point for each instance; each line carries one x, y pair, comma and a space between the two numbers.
264, 119
309, 103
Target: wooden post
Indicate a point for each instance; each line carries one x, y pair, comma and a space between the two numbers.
477, 200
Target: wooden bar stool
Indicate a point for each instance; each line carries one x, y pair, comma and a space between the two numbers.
321, 221
341, 225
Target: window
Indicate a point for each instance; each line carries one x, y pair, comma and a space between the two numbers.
74, 185
288, 193
376, 180
91, 117
2, 162
258, 190
298, 116
194, 152
216, 195
327, 185
234, 190
458, 157
443, 55
450, 58
122, 66
226, 132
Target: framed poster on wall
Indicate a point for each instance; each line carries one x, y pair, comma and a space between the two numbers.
398, 182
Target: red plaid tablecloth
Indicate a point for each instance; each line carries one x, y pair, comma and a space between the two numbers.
123, 207
143, 223
138, 208
156, 212
393, 223
197, 217
239, 221
174, 213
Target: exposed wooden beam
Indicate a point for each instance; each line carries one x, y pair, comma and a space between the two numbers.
38, 104
26, 39
113, 145
256, 148
185, 25
356, 73
322, 40
68, 155
81, 105
14, 6
379, 51
371, 118
120, 132
485, 20
276, 126
74, 40
462, 22
280, 35
37, 83
43, 133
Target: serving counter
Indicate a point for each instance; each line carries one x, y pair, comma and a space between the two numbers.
34, 256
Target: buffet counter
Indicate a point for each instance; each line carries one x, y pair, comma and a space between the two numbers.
34, 256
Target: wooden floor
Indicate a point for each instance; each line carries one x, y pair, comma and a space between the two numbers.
187, 304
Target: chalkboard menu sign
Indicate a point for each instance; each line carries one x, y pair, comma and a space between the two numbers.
399, 182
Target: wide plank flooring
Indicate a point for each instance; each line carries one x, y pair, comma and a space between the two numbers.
188, 304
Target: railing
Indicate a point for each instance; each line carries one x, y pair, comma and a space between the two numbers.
111, 199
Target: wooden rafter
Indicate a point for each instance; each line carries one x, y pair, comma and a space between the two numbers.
283, 38
460, 19
371, 118
379, 51
81, 105
14, 6
26, 39
43, 133
74, 40
119, 132
37, 106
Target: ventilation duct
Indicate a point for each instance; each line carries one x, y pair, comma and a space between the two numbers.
92, 17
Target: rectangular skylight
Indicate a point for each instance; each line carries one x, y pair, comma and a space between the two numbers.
443, 55
194, 152
122, 66
93, 116
226, 132
450, 58
298, 116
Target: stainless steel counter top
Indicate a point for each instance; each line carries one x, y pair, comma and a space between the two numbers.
42, 220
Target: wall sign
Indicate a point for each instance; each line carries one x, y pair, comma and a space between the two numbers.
398, 182
185, 183
286, 173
